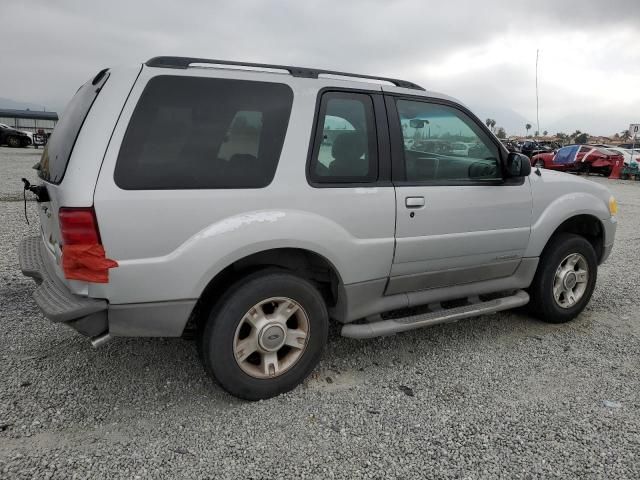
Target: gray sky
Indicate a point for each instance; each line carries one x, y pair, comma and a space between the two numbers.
482, 52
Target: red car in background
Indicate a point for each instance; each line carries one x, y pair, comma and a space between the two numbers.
578, 158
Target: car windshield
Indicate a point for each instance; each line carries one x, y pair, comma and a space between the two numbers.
607, 151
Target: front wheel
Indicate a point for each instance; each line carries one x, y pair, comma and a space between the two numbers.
539, 164
565, 279
265, 335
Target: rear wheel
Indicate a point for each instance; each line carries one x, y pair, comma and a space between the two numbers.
13, 142
565, 279
539, 164
265, 336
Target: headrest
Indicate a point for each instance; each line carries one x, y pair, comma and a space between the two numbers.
348, 145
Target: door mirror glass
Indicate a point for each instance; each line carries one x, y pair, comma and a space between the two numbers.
518, 165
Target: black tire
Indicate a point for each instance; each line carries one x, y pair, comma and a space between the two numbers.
14, 142
217, 338
543, 304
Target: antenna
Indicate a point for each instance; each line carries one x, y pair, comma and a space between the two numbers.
537, 103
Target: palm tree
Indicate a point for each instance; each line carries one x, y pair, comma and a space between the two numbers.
493, 125
581, 138
545, 133
487, 122
625, 135
562, 137
528, 127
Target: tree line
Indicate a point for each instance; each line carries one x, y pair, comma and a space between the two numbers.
577, 137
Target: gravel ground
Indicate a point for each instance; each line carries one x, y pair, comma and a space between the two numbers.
16, 163
500, 396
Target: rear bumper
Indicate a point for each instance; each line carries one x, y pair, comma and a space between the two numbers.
91, 316
86, 315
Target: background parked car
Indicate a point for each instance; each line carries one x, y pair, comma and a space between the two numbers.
459, 148
626, 153
578, 158
531, 148
12, 137
511, 145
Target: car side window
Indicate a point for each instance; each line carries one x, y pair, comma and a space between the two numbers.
207, 133
443, 144
345, 142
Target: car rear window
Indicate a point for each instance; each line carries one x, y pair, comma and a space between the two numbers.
606, 151
57, 152
192, 132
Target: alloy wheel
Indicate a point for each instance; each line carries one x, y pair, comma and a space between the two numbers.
271, 337
570, 280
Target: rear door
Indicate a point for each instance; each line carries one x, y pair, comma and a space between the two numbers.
458, 220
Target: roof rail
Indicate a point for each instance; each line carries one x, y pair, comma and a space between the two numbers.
185, 62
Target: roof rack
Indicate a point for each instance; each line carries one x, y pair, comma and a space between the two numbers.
185, 62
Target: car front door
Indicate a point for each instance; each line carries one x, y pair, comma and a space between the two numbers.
458, 220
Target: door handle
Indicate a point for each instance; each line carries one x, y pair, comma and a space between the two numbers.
414, 202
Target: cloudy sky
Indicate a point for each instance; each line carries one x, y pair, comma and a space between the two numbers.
482, 52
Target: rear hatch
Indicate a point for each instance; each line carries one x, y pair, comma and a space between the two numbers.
55, 160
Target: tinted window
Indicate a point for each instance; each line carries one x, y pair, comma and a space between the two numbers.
55, 156
189, 132
345, 147
446, 145
607, 151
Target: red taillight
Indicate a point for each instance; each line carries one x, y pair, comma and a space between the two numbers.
83, 256
78, 226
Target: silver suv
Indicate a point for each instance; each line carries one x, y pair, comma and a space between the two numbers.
253, 204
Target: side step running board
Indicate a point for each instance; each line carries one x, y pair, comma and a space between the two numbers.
391, 326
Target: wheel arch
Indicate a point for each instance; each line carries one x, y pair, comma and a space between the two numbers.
586, 225
538, 159
305, 263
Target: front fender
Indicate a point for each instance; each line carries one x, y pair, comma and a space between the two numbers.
569, 205
201, 257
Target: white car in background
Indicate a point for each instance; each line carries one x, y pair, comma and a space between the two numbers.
459, 148
627, 154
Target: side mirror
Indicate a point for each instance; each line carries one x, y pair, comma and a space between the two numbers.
518, 165
416, 123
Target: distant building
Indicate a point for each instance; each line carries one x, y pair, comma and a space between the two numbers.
29, 120
600, 139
